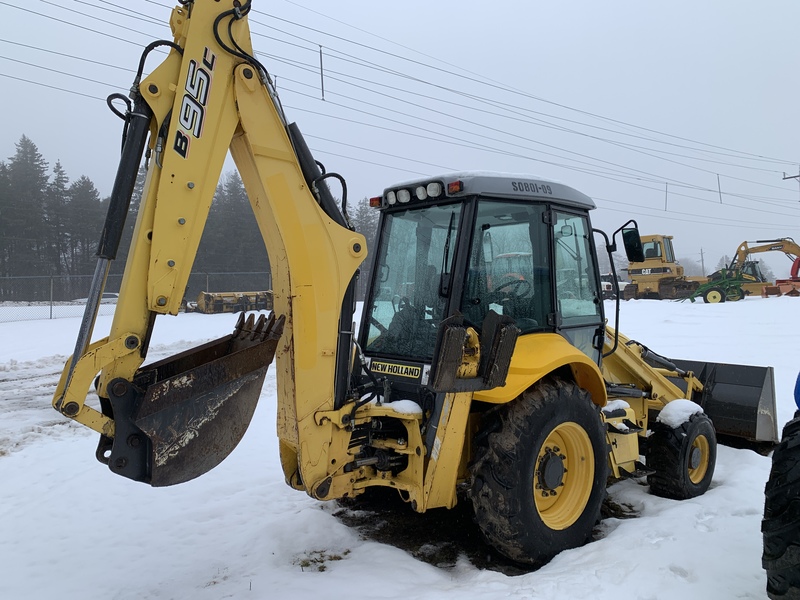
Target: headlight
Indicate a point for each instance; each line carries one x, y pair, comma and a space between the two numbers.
434, 189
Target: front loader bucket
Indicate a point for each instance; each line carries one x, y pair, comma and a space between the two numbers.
182, 416
739, 399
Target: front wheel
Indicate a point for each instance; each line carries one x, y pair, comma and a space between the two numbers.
539, 475
683, 458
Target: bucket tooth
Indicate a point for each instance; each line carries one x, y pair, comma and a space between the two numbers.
250, 323
259, 331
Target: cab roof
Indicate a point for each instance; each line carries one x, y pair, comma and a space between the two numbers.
502, 185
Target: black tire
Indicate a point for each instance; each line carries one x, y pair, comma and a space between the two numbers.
780, 527
539, 475
683, 458
734, 294
714, 295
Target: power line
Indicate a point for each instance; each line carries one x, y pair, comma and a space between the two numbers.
619, 174
80, 58
108, 35
22, 62
52, 87
482, 80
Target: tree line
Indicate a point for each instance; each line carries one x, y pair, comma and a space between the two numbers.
51, 225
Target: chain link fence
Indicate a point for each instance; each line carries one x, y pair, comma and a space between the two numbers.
27, 298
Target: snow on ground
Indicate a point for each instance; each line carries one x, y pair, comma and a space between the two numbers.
71, 529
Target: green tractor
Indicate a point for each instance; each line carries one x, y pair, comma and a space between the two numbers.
731, 283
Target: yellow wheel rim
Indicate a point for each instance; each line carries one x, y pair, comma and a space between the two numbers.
563, 476
714, 297
698, 459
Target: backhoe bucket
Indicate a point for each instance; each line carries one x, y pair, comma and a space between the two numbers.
739, 399
182, 416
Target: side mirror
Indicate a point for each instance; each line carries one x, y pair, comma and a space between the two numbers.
633, 244
631, 241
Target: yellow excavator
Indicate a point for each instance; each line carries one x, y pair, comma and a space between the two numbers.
789, 286
516, 391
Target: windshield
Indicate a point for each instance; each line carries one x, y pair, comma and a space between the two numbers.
413, 270
651, 249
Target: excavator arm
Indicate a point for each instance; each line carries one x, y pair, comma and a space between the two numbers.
785, 245
173, 420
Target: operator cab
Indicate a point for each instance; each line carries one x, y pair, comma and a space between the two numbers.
473, 243
751, 270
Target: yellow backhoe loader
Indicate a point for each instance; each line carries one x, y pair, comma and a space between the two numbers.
516, 392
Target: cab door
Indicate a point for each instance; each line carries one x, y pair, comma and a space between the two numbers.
579, 303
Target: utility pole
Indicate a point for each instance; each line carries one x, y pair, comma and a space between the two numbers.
785, 176
702, 262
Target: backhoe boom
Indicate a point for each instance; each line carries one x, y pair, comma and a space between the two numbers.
208, 96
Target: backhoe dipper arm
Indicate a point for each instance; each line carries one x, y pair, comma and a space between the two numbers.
158, 422
786, 245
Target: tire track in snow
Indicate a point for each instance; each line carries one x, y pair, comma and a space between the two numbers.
26, 395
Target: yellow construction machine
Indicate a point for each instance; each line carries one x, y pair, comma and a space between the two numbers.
515, 392
230, 302
789, 286
658, 275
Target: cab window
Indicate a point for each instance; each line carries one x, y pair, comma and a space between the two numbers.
509, 266
576, 280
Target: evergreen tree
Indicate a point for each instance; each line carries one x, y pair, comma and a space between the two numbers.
242, 234
85, 220
56, 199
5, 226
231, 241
118, 266
365, 220
766, 271
26, 250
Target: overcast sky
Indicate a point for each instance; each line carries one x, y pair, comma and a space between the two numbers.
679, 114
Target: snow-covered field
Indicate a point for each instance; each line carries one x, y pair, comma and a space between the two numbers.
71, 529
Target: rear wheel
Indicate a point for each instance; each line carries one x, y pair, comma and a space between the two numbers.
781, 524
714, 295
683, 458
540, 470
734, 294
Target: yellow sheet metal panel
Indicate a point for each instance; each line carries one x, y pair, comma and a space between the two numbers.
539, 354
